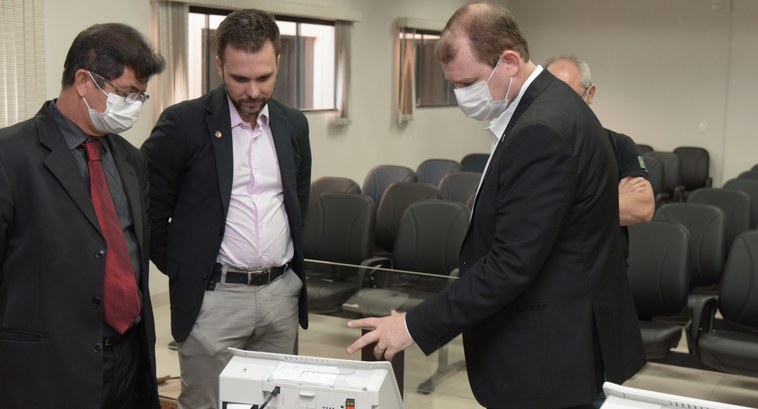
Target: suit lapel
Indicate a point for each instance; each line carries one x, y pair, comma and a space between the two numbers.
60, 162
219, 130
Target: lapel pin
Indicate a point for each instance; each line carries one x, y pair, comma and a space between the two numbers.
218, 134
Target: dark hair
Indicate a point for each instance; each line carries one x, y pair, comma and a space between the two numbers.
248, 30
106, 49
489, 28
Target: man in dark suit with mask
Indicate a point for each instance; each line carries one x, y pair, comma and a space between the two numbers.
542, 300
76, 323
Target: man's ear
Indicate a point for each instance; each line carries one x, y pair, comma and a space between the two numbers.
220, 68
590, 94
512, 62
81, 77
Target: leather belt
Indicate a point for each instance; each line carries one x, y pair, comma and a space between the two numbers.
259, 277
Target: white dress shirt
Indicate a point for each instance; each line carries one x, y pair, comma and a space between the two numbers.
257, 233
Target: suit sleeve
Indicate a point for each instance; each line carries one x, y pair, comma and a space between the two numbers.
164, 151
536, 183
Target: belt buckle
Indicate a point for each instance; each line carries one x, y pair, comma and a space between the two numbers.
253, 274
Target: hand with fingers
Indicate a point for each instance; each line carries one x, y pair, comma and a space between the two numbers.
389, 333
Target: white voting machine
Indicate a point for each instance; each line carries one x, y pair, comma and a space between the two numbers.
305, 382
623, 397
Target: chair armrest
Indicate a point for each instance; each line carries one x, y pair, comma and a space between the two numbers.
367, 272
703, 310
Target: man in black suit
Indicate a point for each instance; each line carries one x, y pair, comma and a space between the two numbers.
230, 178
542, 300
64, 339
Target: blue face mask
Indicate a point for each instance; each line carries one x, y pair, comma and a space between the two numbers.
476, 101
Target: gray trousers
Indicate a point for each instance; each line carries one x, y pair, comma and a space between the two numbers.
259, 318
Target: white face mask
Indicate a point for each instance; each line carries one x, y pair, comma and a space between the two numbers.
119, 115
476, 101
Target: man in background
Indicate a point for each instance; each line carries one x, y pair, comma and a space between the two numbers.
76, 323
542, 300
230, 178
636, 198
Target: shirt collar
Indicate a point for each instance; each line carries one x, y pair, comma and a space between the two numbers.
236, 119
73, 136
497, 126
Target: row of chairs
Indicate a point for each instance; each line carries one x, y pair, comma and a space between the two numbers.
430, 171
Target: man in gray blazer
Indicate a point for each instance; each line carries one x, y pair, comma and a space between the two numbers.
230, 178
542, 300
64, 339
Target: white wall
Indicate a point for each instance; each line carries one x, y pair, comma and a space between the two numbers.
669, 73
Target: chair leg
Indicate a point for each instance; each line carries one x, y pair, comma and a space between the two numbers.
444, 369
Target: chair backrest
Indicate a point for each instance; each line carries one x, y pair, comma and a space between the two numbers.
734, 203
658, 272
381, 176
396, 200
431, 171
750, 187
755, 167
340, 228
332, 184
430, 236
705, 224
459, 186
671, 170
474, 162
643, 148
654, 173
748, 174
694, 165
738, 299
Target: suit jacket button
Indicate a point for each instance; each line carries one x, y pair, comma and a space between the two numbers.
97, 347
95, 301
100, 254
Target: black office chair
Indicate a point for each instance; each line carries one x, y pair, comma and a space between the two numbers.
428, 242
659, 276
431, 171
748, 174
339, 229
671, 186
705, 224
694, 168
474, 162
755, 167
735, 350
380, 177
459, 186
736, 207
643, 148
395, 201
750, 187
332, 184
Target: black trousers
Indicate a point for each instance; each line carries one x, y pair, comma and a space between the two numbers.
124, 372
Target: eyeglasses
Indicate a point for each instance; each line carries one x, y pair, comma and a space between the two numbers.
129, 97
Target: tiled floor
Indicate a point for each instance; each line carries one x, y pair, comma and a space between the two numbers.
328, 337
